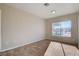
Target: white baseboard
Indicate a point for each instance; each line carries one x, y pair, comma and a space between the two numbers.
19, 46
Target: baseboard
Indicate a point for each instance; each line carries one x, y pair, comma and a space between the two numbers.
19, 46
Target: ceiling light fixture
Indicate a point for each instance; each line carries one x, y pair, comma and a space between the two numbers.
53, 11
46, 4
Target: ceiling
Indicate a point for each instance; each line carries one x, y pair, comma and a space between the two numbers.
42, 11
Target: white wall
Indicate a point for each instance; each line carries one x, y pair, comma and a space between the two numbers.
20, 28
0, 29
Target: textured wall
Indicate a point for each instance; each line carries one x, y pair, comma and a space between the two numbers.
19, 27
74, 31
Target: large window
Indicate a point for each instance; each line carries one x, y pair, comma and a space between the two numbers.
62, 29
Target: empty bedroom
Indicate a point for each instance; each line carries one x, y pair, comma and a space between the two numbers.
39, 29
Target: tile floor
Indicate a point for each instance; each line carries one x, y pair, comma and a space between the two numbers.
40, 48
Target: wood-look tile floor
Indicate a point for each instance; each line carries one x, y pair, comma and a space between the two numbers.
39, 48
33, 49
61, 49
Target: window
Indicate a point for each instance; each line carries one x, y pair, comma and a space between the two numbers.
62, 29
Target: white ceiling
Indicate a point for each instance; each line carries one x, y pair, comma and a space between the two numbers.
42, 11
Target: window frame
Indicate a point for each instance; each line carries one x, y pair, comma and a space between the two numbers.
60, 35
